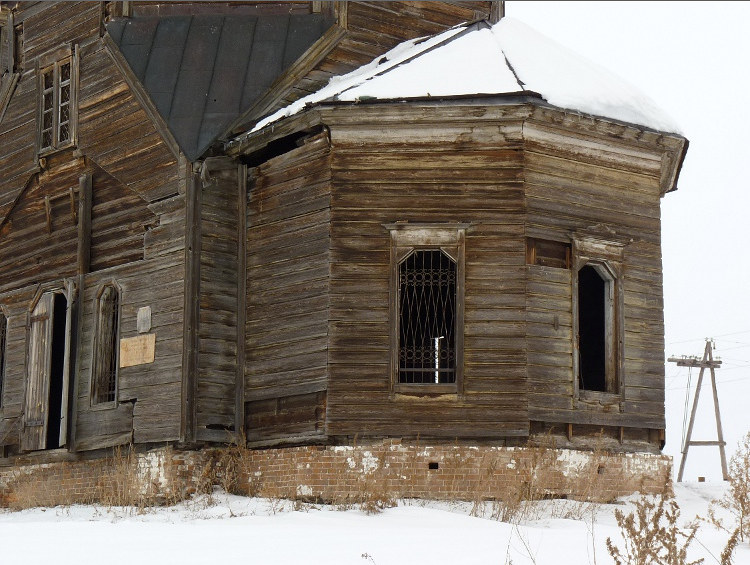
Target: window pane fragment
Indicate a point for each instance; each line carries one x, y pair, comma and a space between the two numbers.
64, 133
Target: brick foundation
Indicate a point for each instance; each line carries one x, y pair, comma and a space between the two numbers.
338, 474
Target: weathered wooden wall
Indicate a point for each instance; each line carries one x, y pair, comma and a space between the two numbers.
45, 28
136, 237
427, 164
581, 176
509, 171
286, 344
138, 241
220, 303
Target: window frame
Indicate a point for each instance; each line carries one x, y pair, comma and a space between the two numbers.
405, 239
94, 380
53, 62
606, 257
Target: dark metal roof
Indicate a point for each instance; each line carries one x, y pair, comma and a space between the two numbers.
203, 71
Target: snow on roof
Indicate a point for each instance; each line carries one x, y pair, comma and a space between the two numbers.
507, 58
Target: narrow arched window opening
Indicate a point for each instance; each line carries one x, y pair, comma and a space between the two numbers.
596, 330
104, 375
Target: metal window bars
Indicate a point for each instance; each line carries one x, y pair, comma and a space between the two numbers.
427, 314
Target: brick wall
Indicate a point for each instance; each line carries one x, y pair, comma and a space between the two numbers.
338, 474
397, 470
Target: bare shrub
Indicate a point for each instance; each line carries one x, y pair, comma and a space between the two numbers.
651, 534
736, 500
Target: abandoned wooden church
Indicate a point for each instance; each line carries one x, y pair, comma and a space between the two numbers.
204, 238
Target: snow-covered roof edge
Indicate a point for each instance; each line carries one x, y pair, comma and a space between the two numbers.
479, 59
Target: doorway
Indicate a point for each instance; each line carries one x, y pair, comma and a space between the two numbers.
48, 372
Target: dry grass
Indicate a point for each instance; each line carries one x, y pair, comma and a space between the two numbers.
123, 479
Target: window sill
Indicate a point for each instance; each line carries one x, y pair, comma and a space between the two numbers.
602, 401
104, 406
50, 151
413, 390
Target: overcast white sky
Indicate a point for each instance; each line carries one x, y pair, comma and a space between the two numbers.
695, 63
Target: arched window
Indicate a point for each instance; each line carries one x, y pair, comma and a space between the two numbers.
597, 330
427, 318
106, 354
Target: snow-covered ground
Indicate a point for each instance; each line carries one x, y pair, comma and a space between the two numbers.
262, 531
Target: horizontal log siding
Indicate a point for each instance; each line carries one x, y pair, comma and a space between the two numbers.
137, 244
217, 326
119, 219
44, 30
582, 181
152, 390
115, 132
59, 24
287, 291
427, 172
18, 141
31, 250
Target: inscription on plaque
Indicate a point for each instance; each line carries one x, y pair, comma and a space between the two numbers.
138, 350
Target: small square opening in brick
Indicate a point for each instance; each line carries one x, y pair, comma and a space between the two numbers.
600, 470
432, 465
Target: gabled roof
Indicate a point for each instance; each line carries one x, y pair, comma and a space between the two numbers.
507, 58
203, 71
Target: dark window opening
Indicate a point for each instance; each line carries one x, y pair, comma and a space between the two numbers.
547, 253
3, 341
57, 371
427, 318
106, 350
592, 330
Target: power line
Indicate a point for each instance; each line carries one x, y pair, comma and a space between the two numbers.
702, 338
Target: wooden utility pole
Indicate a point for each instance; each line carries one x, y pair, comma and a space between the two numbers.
706, 363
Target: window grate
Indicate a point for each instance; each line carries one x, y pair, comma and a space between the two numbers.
105, 376
427, 314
